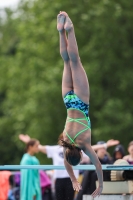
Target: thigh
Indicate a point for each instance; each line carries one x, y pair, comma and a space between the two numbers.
67, 83
80, 81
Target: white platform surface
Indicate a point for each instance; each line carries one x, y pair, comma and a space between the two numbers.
109, 197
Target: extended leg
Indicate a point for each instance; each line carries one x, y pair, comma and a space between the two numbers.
79, 77
67, 83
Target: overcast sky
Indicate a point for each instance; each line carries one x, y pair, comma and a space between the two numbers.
8, 3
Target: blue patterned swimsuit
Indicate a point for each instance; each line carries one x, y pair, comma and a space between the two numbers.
73, 102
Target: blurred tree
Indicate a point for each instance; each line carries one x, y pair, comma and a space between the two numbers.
31, 71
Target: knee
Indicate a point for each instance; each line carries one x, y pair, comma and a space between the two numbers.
64, 55
73, 57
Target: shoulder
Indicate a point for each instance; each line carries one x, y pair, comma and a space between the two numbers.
26, 159
25, 156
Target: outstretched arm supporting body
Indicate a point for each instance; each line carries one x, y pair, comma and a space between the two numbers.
94, 159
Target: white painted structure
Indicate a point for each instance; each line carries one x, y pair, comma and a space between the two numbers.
114, 190
109, 197
117, 187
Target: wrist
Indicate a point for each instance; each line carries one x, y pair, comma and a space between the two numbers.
73, 180
101, 186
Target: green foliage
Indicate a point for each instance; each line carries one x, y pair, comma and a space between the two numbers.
31, 71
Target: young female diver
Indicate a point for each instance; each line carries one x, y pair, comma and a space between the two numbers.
75, 92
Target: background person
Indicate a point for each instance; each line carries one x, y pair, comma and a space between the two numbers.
63, 186
129, 158
30, 188
119, 152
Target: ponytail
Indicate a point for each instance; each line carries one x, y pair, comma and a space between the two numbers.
68, 145
72, 152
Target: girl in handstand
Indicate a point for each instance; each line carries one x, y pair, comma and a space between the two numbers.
75, 92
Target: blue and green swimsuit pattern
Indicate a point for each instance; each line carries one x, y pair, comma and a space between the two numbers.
72, 101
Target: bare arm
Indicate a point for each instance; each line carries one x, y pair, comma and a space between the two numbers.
93, 157
26, 139
106, 145
42, 148
75, 183
99, 146
69, 170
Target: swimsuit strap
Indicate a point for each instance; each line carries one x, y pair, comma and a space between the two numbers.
72, 141
78, 121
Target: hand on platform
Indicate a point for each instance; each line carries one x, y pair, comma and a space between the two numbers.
97, 192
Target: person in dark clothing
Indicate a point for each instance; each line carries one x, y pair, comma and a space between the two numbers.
14, 191
119, 152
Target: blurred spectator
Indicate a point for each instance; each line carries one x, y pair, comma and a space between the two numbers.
129, 158
14, 191
45, 186
119, 152
30, 188
4, 184
103, 155
14, 181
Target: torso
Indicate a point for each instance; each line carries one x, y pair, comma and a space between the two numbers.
72, 128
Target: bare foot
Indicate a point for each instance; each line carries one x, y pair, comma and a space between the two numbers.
68, 23
60, 21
